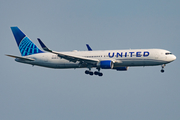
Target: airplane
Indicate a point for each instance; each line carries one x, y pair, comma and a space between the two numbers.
119, 60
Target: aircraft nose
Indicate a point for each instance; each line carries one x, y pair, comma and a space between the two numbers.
174, 57
171, 58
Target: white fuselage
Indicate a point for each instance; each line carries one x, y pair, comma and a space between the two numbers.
129, 57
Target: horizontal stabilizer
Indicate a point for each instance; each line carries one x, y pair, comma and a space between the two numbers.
23, 58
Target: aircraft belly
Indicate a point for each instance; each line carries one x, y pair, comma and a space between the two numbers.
140, 62
131, 62
65, 64
71, 65
154, 62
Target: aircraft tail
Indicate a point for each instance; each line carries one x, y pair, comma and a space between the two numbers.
26, 46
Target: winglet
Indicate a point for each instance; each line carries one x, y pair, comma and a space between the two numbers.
89, 48
44, 46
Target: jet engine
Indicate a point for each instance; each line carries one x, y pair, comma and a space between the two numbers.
105, 64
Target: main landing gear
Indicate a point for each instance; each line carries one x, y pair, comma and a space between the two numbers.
89, 72
163, 65
94, 73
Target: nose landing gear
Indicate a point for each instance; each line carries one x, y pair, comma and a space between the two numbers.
162, 70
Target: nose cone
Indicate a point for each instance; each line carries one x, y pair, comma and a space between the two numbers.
174, 57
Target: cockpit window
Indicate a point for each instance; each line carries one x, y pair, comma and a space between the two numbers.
168, 53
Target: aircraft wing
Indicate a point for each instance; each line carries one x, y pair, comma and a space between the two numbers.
71, 58
22, 58
74, 58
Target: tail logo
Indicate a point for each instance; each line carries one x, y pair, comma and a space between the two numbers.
26, 46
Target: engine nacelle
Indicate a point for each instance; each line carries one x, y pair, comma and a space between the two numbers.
121, 68
106, 64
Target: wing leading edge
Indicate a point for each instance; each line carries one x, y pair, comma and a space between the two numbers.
69, 57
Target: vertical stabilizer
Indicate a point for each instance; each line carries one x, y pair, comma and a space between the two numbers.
26, 46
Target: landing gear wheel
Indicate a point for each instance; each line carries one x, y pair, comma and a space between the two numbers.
91, 73
96, 73
100, 74
87, 72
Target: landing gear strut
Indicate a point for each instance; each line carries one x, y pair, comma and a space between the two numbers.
162, 70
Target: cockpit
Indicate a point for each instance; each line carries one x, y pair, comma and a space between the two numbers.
168, 53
